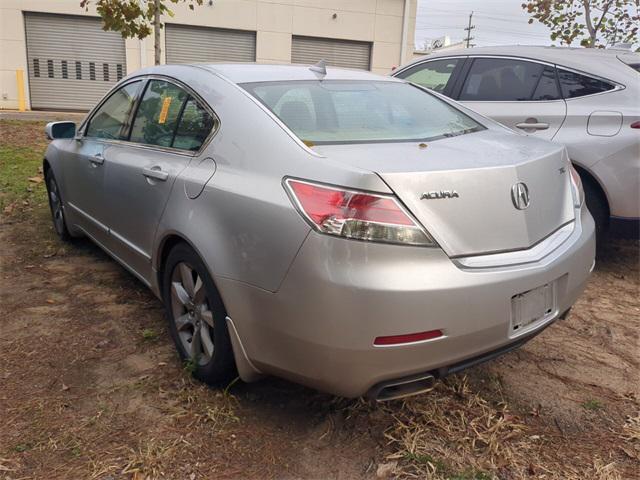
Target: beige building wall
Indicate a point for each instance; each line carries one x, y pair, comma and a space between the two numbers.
274, 21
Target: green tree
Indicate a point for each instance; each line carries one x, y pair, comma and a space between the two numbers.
593, 23
136, 18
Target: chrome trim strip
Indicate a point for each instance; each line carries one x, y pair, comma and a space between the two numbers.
617, 85
108, 231
116, 258
521, 257
98, 224
144, 78
133, 247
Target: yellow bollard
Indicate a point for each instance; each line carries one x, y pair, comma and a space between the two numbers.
21, 97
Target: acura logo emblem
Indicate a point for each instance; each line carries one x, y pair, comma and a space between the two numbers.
520, 196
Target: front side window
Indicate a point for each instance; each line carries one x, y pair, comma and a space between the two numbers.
158, 114
502, 80
343, 111
434, 75
110, 119
575, 85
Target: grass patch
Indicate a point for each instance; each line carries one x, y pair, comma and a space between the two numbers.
21, 181
149, 334
592, 405
190, 366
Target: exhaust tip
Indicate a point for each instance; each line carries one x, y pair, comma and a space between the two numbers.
405, 387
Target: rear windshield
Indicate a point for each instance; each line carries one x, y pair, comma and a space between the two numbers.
340, 111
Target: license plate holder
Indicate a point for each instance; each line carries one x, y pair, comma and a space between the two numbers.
531, 308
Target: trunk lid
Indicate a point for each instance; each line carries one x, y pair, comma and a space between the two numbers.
460, 188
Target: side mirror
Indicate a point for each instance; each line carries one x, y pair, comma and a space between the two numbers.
55, 130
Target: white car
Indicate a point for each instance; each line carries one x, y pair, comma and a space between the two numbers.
586, 99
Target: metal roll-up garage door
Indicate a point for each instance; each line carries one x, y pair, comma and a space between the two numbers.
189, 44
72, 61
339, 53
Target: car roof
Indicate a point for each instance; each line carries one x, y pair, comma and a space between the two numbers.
254, 72
606, 63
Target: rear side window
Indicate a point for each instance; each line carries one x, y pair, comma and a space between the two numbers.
434, 75
158, 114
547, 88
194, 127
501, 79
575, 85
110, 119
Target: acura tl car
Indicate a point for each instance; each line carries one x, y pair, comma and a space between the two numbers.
586, 99
347, 231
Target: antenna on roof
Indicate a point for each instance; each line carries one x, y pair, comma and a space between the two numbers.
320, 67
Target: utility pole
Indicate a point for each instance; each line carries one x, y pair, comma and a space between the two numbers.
468, 30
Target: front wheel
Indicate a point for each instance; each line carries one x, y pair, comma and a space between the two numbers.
56, 207
197, 317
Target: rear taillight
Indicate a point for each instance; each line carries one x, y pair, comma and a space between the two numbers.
576, 187
358, 215
635, 124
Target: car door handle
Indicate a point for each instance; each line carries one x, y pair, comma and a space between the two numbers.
97, 159
156, 173
533, 126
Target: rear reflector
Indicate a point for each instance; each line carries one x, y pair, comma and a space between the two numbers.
635, 124
408, 338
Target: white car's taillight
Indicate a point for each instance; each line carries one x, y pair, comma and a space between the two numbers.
354, 214
576, 188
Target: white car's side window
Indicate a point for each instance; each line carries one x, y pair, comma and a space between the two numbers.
502, 80
434, 75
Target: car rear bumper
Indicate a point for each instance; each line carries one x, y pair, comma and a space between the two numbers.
339, 295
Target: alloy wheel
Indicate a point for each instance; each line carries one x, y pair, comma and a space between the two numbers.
192, 316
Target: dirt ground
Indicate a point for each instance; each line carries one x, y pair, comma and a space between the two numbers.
90, 387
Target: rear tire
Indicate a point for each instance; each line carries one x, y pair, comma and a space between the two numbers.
197, 317
56, 206
597, 205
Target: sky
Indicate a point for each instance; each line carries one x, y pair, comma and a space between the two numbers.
498, 22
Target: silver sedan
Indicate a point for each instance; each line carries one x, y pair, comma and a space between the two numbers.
350, 232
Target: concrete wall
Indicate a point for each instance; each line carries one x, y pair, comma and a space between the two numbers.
275, 21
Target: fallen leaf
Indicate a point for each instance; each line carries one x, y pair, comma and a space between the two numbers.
50, 301
65, 387
35, 179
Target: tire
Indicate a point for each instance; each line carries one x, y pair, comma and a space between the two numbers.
197, 317
597, 205
56, 207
